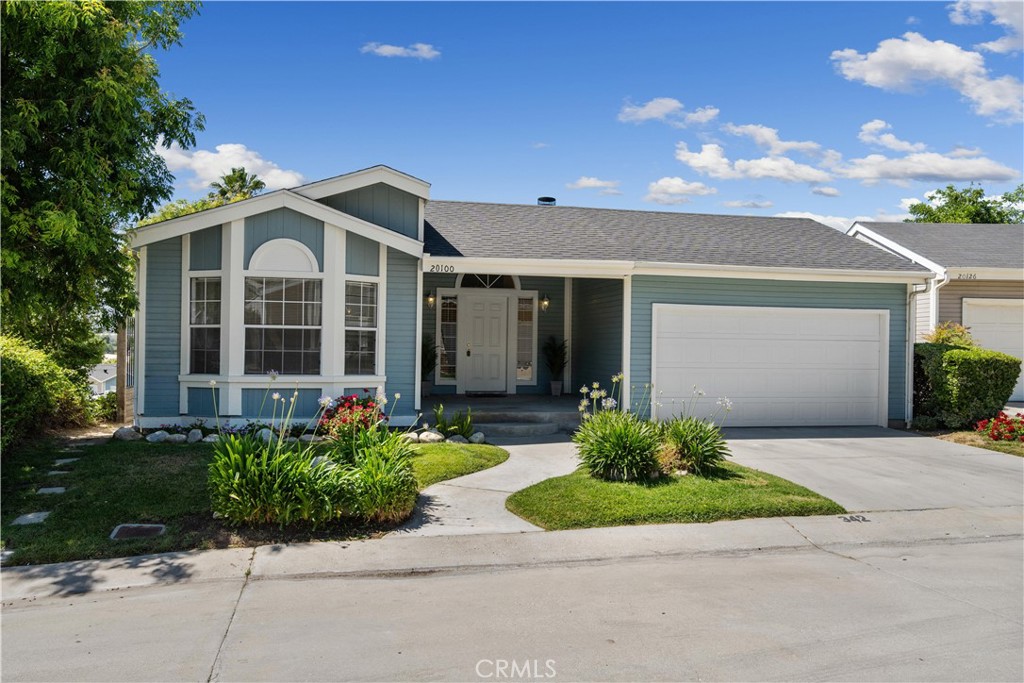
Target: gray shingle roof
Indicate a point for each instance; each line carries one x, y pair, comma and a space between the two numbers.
559, 232
959, 245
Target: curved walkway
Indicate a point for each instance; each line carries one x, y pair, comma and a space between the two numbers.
475, 503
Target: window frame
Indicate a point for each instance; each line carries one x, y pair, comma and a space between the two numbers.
246, 326
190, 326
345, 327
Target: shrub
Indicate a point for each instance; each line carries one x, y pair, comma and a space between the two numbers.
255, 483
36, 393
1003, 427
950, 334
618, 446
459, 424
383, 486
960, 386
692, 444
104, 407
347, 415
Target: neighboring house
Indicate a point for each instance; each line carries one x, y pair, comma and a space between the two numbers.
103, 378
335, 284
978, 278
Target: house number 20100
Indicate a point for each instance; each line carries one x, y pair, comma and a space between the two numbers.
442, 269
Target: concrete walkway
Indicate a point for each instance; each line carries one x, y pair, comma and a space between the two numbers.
475, 503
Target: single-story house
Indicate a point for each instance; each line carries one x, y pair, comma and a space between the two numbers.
977, 278
103, 378
335, 285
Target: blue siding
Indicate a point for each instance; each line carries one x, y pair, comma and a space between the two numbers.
381, 205
283, 222
648, 290
306, 405
362, 256
201, 402
205, 249
163, 328
596, 331
400, 353
549, 323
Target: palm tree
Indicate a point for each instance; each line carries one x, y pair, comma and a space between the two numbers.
237, 185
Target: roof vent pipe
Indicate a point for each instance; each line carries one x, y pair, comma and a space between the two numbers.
545, 201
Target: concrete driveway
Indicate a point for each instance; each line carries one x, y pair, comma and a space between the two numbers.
870, 468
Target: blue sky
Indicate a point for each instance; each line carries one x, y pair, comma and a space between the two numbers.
837, 110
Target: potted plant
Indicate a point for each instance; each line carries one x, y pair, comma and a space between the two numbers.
428, 361
556, 356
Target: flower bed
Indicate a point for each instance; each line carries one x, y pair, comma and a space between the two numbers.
1003, 427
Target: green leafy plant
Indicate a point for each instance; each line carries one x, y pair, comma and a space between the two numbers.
459, 424
694, 445
951, 334
36, 392
619, 446
383, 486
428, 356
960, 386
556, 357
1003, 427
104, 407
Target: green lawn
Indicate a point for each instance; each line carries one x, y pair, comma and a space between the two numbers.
120, 482
442, 461
578, 500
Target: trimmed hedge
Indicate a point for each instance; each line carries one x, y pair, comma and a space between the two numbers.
958, 386
36, 393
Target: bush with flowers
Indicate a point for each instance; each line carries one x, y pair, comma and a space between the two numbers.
346, 415
622, 445
1002, 427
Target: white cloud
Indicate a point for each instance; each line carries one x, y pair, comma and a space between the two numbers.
711, 160
960, 152
926, 166
871, 134
675, 191
207, 166
900, 64
825, 191
607, 187
667, 110
540, 145
749, 204
908, 202
912, 20
701, 116
658, 109
416, 50
769, 139
1008, 15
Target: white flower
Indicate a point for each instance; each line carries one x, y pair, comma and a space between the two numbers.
273, 375
617, 378
325, 401
398, 396
584, 404
213, 382
609, 404
584, 390
275, 396
700, 393
596, 385
724, 402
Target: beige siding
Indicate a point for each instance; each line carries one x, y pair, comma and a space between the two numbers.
922, 304
951, 297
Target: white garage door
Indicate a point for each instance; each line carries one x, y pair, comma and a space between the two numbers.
998, 324
778, 366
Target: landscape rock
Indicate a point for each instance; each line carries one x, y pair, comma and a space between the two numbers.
127, 434
176, 438
311, 438
265, 435
157, 437
291, 439
478, 437
195, 435
411, 437
431, 436
458, 438
210, 438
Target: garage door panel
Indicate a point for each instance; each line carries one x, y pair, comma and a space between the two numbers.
998, 324
777, 366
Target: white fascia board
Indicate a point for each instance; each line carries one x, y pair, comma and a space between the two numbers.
763, 273
275, 200
369, 176
858, 230
986, 273
537, 267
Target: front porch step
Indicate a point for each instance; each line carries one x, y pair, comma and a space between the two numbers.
517, 428
491, 416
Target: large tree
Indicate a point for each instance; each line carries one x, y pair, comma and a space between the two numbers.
82, 115
969, 205
238, 184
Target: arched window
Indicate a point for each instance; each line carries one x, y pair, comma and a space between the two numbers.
488, 281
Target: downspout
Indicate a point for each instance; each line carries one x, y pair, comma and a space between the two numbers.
912, 293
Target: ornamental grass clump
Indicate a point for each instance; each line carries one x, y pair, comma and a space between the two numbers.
618, 446
692, 445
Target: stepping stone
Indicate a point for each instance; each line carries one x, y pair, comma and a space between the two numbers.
70, 449
53, 473
31, 518
127, 531
5, 555
65, 461
51, 490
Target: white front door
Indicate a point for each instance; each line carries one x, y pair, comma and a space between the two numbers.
483, 341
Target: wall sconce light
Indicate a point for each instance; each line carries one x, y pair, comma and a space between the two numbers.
544, 303
431, 300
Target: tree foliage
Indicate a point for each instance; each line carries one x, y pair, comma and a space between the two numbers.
83, 114
969, 205
238, 184
232, 187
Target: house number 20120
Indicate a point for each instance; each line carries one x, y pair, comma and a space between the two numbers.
442, 269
